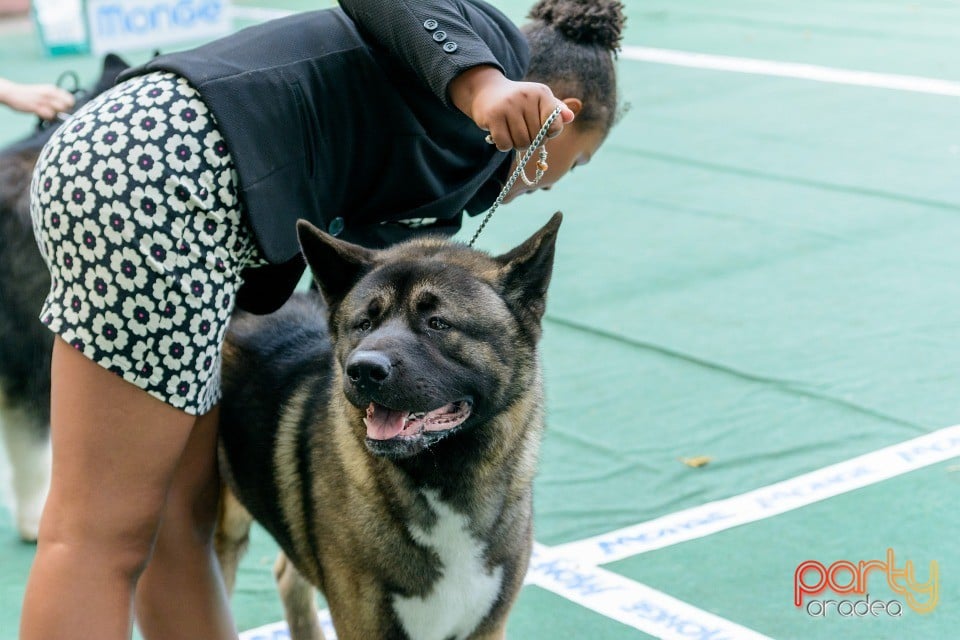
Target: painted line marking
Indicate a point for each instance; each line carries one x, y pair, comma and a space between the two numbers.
629, 602
795, 70
755, 66
768, 501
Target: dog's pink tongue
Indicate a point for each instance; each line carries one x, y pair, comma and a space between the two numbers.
382, 423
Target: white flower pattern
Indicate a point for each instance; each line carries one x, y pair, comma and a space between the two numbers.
150, 206
77, 196
149, 124
110, 177
189, 116
111, 140
183, 153
108, 331
117, 222
88, 236
75, 158
127, 264
140, 312
71, 267
136, 210
155, 94
145, 162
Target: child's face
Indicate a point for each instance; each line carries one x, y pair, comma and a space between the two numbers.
572, 148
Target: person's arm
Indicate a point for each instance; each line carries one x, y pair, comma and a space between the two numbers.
467, 76
45, 100
411, 31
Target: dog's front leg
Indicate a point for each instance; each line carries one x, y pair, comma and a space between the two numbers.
299, 602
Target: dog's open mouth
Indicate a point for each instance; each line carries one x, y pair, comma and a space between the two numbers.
387, 424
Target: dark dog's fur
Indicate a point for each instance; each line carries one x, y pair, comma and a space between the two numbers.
389, 442
24, 343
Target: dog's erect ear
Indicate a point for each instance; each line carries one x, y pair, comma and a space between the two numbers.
526, 271
336, 265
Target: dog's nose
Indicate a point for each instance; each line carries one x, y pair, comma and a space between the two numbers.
368, 368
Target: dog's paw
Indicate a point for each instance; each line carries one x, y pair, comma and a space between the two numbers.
28, 522
30, 501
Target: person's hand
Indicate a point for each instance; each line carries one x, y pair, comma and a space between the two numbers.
45, 100
513, 112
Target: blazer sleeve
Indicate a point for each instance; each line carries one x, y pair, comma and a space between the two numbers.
440, 39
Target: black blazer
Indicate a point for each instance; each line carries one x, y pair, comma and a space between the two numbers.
342, 117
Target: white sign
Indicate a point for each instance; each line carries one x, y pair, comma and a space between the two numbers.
124, 25
61, 26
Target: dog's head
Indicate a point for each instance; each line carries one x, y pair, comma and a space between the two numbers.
431, 338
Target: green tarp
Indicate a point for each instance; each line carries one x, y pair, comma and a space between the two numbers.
761, 270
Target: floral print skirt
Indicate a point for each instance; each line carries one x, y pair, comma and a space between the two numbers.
135, 208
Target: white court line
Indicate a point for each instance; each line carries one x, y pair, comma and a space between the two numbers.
793, 70
756, 66
629, 602
768, 501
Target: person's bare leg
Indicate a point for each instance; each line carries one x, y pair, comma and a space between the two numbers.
115, 450
181, 594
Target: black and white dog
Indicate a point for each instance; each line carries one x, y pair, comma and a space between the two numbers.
25, 343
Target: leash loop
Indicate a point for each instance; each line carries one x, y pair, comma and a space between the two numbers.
521, 169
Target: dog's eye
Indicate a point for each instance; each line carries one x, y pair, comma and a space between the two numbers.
364, 325
437, 323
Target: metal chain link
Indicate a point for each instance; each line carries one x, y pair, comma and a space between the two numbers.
521, 166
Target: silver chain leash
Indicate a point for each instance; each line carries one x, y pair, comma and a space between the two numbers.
521, 169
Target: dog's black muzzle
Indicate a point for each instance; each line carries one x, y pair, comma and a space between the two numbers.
368, 371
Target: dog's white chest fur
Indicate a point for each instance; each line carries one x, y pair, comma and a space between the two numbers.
465, 592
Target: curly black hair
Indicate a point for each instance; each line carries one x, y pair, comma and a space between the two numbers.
573, 44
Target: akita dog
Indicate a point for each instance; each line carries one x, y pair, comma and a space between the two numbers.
387, 436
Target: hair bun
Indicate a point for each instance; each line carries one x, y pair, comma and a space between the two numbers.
588, 22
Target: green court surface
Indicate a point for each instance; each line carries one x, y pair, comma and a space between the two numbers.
757, 268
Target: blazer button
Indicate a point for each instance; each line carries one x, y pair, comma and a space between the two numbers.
335, 227
450, 47
430, 24
439, 36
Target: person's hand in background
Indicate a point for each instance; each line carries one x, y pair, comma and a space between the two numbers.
44, 100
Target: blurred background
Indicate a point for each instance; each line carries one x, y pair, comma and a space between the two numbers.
757, 278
